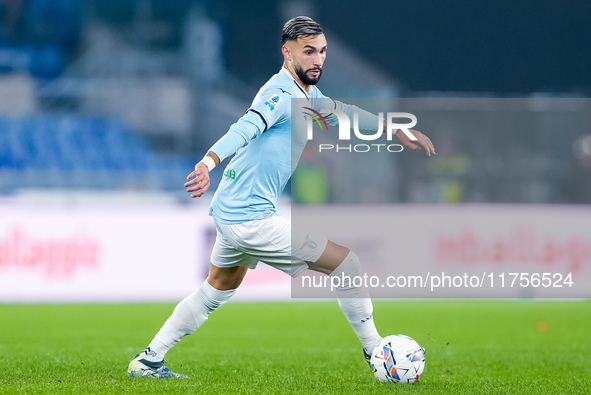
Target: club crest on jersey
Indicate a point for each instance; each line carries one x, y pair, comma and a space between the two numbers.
273, 101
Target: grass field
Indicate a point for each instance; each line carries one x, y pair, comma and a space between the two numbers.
473, 347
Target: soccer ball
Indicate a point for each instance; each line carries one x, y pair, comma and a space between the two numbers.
398, 359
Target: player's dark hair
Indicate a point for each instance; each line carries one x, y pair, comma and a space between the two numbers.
300, 26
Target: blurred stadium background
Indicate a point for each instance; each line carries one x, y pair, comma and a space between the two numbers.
106, 105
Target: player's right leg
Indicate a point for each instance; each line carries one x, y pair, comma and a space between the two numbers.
193, 311
225, 275
190, 314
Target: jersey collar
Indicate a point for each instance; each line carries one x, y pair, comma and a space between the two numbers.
295, 82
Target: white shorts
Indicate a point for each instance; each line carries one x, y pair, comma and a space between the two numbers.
271, 240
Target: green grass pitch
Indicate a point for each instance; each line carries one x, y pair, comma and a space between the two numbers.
473, 347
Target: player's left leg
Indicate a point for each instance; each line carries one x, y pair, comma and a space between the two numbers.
300, 249
341, 263
275, 242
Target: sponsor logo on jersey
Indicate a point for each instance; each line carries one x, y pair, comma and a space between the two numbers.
230, 174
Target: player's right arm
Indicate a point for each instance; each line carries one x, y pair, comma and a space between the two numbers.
267, 109
238, 136
199, 178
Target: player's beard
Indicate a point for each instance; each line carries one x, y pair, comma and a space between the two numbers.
303, 76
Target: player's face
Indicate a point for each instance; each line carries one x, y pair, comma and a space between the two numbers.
307, 57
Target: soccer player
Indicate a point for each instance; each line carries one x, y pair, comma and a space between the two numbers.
244, 206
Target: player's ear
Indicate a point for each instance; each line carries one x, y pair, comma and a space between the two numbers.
286, 53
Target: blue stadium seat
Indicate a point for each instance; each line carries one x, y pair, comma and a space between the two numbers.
73, 151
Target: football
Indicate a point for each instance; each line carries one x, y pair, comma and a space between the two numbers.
398, 359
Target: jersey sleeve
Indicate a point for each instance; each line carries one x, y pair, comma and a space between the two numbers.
245, 129
367, 121
272, 105
269, 107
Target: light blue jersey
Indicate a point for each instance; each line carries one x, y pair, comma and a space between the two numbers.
265, 153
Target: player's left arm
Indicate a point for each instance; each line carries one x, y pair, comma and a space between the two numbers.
422, 141
367, 121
